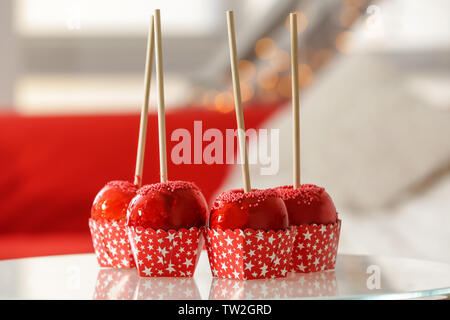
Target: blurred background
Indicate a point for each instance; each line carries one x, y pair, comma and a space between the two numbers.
375, 110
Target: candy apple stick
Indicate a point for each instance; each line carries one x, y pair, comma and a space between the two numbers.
161, 111
144, 110
238, 102
295, 100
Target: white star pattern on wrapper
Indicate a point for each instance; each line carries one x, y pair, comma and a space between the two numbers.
307, 235
112, 249
111, 244
170, 268
137, 238
277, 261
264, 270
260, 236
171, 236
249, 254
147, 272
163, 251
316, 248
165, 256
188, 262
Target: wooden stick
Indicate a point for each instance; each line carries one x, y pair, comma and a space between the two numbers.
295, 100
161, 111
144, 111
238, 102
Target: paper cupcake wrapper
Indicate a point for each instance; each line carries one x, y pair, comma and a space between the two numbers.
111, 244
315, 247
295, 285
249, 254
160, 253
167, 288
116, 284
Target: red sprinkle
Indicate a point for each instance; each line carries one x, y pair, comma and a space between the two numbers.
236, 195
170, 186
125, 186
307, 193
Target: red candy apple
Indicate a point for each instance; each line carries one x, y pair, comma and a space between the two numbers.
308, 204
112, 201
168, 205
257, 209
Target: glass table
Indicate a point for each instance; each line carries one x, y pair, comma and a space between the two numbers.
356, 277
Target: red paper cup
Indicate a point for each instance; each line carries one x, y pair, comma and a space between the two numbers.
116, 284
111, 243
315, 247
249, 254
167, 288
160, 253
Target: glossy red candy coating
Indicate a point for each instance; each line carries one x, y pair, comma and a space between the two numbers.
257, 209
112, 201
168, 205
308, 204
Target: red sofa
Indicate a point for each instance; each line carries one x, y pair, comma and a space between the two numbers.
53, 166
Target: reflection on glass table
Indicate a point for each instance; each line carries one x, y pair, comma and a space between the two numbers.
167, 288
125, 284
295, 285
355, 277
115, 284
